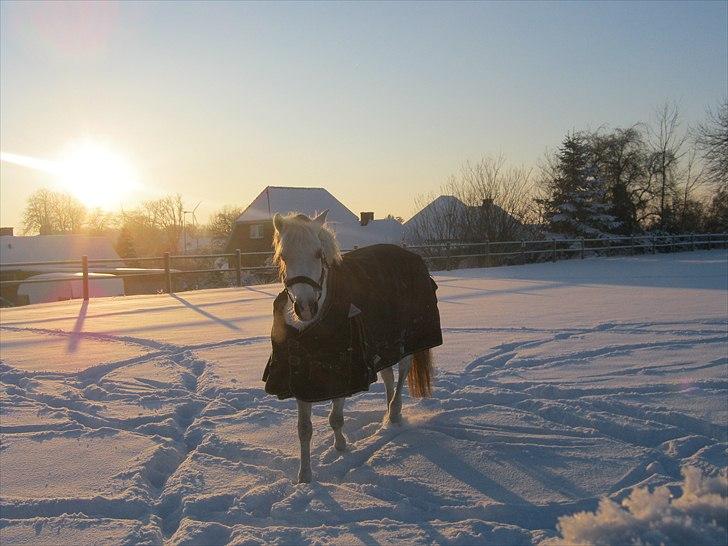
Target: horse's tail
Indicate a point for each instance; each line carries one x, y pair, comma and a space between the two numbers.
419, 378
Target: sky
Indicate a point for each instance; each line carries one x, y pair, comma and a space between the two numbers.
377, 102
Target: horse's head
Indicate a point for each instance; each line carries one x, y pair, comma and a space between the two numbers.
304, 249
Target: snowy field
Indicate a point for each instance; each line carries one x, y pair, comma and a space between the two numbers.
142, 419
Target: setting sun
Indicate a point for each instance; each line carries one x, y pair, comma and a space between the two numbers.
96, 175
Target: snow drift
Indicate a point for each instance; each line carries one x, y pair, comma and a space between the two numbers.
698, 516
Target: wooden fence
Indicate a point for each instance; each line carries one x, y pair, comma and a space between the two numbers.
438, 256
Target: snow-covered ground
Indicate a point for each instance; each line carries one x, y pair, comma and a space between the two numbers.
143, 420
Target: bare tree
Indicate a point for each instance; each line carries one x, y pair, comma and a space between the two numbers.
621, 158
499, 199
486, 200
48, 213
100, 222
440, 218
666, 144
712, 141
222, 223
692, 177
155, 226
166, 216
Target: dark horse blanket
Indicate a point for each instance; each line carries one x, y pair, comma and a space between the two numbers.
380, 306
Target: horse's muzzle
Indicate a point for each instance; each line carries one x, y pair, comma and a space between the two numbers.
300, 310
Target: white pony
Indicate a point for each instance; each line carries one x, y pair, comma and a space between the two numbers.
305, 249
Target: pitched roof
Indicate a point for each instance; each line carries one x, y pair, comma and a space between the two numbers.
436, 209
308, 201
352, 234
47, 248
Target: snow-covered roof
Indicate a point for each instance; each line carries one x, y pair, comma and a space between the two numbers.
308, 201
47, 248
353, 234
437, 220
437, 208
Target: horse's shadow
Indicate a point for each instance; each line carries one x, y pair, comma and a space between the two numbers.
413, 437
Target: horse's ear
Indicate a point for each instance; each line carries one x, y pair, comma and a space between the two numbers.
278, 222
321, 218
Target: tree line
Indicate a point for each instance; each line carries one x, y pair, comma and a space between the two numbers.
640, 178
658, 177
648, 177
154, 227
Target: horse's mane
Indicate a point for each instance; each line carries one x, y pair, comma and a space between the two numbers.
298, 226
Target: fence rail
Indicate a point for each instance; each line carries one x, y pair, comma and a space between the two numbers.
438, 256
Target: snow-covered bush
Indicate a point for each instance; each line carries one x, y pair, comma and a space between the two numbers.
698, 517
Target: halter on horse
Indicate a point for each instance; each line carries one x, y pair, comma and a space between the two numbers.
317, 286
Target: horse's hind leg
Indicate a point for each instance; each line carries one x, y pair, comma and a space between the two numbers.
305, 431
336, 420
395, 405
388, 378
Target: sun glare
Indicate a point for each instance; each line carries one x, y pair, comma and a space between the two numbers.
96, 175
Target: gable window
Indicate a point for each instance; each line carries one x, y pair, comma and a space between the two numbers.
256, 231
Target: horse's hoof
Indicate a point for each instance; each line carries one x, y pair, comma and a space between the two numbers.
340, 445
304, 476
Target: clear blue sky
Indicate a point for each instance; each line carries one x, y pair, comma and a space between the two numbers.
378, 102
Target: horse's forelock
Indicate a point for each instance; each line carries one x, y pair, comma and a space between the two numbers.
297, 227
330, 246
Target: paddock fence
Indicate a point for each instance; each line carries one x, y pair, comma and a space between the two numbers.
440, 256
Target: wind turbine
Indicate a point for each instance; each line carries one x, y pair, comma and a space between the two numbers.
194, 221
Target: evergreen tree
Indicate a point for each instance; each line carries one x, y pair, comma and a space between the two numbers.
125, 247
577, 202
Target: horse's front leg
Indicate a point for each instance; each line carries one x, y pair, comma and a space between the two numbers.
336, 420
305, 431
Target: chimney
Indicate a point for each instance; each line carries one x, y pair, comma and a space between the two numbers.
6, 231
365, 218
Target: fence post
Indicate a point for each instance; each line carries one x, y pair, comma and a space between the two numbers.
553, 255
84, 268
487, 253
167, 273
581, 246
523, 251
238, 267
692, 242
449, 259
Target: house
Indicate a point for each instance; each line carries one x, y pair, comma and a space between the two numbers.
110, 278
439, 221
447, 219
253, 231
54, 248
32, 252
